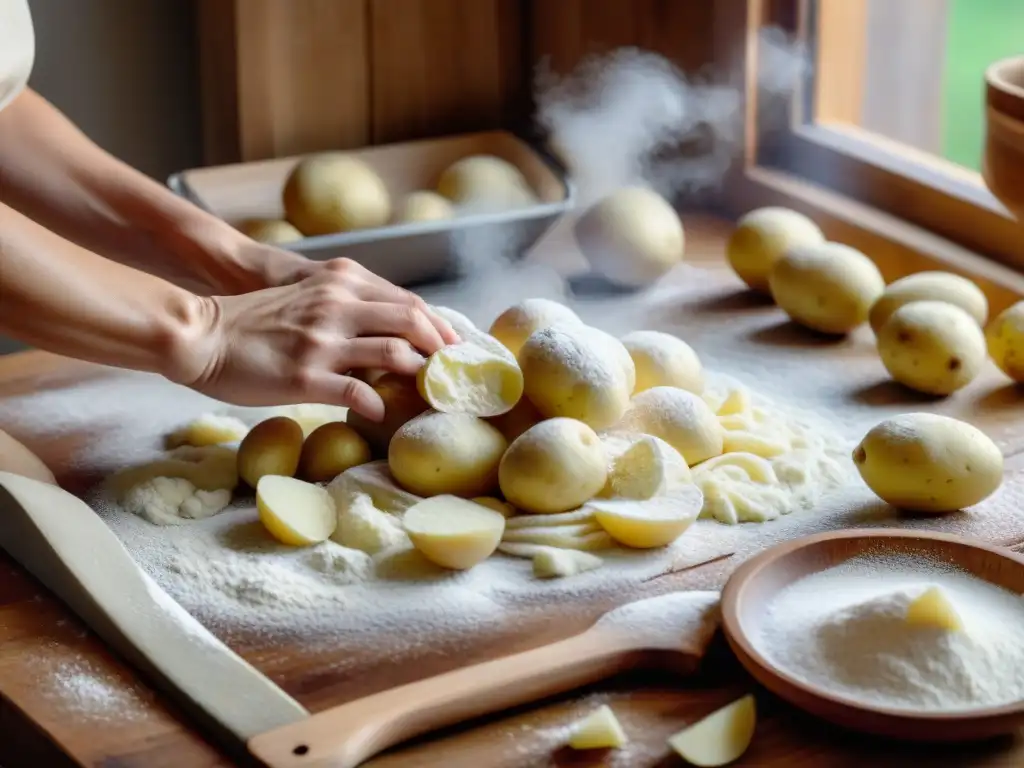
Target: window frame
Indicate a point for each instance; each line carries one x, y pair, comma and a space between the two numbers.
877, 192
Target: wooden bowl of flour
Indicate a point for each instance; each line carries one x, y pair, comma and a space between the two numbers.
750, 592
1003, 165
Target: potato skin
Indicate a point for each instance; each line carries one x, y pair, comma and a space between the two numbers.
1005, 340
924, 462
827, 287
272, 447
929, 286
932, 347
331, 449
761, 237
446, 453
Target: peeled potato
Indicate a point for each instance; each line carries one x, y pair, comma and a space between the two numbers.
632, 237
827, 287
424, 206
932, 347
330, 450
680, 418
516, 421
208, 429
465, 378
1005, 338
720, 738
402, 403
663, 360
924, 462
514, 326
762, 236
553, 467
557, 563
270, 231
576, 373
485, 182
598, 730
295, 512
649, 523
272, 447
932, 609
446, 453
334, 192
452, 532
930, 286
647, 467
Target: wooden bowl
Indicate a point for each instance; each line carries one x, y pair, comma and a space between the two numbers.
1003, 164
753, 586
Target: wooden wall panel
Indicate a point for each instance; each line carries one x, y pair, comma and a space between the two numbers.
443, 66
566, 31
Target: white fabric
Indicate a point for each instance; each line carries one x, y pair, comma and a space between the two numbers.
17, 48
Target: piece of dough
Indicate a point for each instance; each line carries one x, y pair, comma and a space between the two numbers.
663, 360
452, 532
466, 378
555, 563
173, 500
485, 183
571, 372
558, 536
209, 468
362, 526
533, 535
335, 192
631, 237
575, 517
373, 480
932, 347
680, 418
647, 467
447, 453
762, 236
272, 447
208, 429
424, 205
827, 287
553, 467
514, 326
930, 286
295, 512
650, 523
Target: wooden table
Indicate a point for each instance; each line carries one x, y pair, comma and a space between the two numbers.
38, 636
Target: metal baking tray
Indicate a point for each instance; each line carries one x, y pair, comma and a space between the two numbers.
405, 254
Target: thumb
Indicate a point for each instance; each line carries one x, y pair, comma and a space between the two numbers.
330, 388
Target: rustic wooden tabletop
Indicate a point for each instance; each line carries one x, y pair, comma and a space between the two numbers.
49, 661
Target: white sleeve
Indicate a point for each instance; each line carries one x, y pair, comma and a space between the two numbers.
17, 48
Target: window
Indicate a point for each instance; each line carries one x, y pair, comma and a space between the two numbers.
889, 110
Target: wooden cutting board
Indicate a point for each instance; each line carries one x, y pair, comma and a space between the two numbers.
49, 664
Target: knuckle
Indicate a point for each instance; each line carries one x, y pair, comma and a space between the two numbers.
394, 351
342, 266
303, 378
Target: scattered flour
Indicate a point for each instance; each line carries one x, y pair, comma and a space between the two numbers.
845, 628
93, 693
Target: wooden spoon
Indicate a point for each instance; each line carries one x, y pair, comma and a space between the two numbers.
679, 623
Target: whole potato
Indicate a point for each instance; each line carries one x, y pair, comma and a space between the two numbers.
271, 231
663, 360
932, 347
924, 462
272, 447
827, 287
930, 286
424, 206
762, 236
331, 449
554, 466
485, 182
446, 453
632, 237
573, 372
1005, 338
514, 326
402, 402
335, 192
680, 418
523, 415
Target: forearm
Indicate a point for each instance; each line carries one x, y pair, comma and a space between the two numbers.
51, 172
65, 299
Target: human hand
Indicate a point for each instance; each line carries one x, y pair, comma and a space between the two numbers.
297, 343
